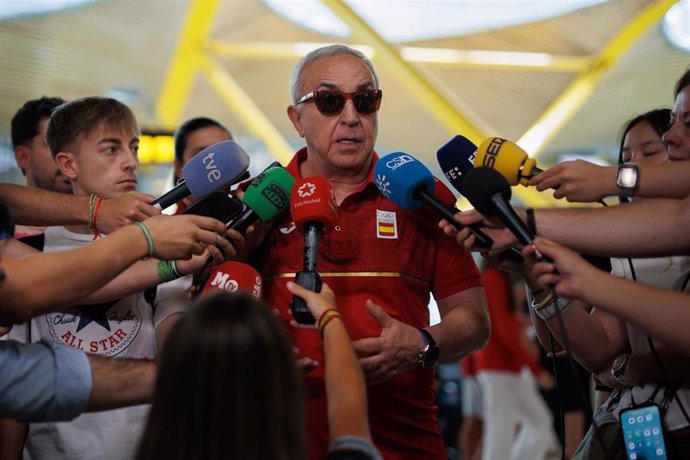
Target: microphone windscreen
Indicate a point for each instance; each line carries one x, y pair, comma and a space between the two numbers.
399, 175
481, 184
502, 155
313, 200
215, 167
456, 159
233, 277
268, 195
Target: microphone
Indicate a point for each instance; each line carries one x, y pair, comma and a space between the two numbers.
456, 159
218, 205
507, 158
234, 277
314, 211
266, 197
215, 167
489, 192
408, 183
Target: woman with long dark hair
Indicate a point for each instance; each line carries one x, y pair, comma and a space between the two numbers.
229, 385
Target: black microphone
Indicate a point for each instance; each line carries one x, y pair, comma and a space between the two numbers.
489, 192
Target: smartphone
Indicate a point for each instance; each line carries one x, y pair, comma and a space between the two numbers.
643, 433
217, 205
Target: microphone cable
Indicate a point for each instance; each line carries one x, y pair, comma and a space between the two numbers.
583, 395
561, 412
652, 347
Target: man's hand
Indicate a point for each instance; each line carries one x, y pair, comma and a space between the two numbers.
180, 237
391, 353
492, 227
125, 209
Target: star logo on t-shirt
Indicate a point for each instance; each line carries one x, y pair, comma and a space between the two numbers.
94, 313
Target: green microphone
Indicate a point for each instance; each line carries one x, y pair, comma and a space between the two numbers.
266, 198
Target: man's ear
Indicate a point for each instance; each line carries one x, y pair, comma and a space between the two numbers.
67, 163
21, 155
294, 116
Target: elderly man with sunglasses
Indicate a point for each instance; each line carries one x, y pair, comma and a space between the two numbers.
381, 261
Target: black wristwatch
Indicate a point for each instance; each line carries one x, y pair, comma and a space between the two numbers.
428, 356
628, 179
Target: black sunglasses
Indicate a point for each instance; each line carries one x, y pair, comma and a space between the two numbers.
333, 102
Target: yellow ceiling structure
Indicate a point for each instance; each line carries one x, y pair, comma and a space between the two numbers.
561, 85
197, 51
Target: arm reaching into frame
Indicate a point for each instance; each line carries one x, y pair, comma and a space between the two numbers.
71, 276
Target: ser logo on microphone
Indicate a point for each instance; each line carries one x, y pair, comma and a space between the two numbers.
492, 151
398, 161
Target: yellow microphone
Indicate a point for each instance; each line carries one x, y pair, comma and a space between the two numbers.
508, 159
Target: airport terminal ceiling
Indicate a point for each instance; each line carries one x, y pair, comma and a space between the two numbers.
560, 82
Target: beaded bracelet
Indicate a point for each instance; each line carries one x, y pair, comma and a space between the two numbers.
147, 234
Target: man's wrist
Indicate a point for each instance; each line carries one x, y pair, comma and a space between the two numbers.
428, 356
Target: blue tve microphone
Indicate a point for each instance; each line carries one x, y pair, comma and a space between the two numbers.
214, 168
408, 183
456, 159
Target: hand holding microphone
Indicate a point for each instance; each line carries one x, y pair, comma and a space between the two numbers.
317, 302
489, 192
266, 197
212, 169
456, 159
577, 181
314, 211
